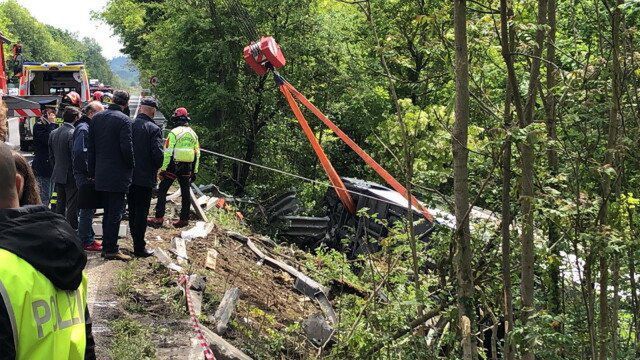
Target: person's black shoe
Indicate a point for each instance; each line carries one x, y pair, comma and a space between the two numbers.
143, 254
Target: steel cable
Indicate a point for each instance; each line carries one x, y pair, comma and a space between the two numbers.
300, 177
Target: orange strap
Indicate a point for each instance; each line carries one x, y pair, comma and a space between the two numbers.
358, 150
337, 183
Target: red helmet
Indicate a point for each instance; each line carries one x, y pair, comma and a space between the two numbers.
73, 98
181, 112
97, 96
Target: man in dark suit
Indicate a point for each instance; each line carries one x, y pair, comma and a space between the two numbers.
111, 163
148, 151
60, 145
87, 198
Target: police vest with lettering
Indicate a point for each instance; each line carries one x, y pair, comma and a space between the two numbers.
47, 323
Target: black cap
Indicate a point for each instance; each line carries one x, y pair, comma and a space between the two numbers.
149, 101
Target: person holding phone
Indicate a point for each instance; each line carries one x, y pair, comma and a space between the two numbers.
41, 165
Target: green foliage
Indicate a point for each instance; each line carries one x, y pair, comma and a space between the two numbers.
333, 53
131, 340
44, 43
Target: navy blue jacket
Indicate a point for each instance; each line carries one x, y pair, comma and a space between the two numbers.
110, 150
148, 151
79, 152
60, 142
41, 131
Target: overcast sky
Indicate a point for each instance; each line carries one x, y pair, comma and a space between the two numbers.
75, 16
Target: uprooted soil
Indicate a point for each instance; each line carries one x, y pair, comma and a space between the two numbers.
268, 317
269, 312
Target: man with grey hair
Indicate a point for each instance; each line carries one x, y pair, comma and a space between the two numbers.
148, 150
86, 187
111, 163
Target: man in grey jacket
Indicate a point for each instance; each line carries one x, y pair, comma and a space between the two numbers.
60, 148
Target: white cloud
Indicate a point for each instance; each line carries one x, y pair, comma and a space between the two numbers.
75, 16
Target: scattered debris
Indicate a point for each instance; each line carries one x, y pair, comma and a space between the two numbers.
179, 248
303, 283
200, 230
197, 282
221, 348
318, 331
165, 260
194, 202
174, 196
212, 259
211, 203
225, 310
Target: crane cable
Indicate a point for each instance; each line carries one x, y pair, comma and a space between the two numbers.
300, 177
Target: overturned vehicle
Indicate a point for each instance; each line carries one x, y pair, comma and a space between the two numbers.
378, 209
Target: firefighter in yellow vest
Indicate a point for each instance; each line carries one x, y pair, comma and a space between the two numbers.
43, 291
181, 162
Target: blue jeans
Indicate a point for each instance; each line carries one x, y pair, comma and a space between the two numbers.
85, 226
45, 189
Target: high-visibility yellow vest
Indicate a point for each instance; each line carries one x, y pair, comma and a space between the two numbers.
182, 146
47, 323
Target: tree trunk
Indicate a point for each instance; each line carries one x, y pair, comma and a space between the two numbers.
251, 138
466, 302
553, 296
612, 142
527, 159
505, 230
615, 280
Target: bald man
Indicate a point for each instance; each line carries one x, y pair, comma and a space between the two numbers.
41, 268
87, 195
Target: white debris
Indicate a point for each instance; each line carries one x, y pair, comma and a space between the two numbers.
200, 230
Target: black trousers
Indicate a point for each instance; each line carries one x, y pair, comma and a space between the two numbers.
139, 200
185, 192
113, 208
67, 205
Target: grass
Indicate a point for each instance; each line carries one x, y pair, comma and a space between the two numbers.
125, 280
131, 341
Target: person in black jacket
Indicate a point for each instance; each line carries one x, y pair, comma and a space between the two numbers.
60, 145
41, 166
111, 164
87, 202
148, 151
55, 253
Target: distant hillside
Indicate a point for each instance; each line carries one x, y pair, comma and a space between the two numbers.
123, 68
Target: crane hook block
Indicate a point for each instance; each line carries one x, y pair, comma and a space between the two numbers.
264, 55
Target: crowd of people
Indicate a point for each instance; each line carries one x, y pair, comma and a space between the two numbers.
86, 158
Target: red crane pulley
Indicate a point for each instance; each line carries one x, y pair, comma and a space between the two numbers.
266, 55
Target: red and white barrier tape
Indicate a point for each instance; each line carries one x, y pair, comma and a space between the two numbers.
28, 112
208, 354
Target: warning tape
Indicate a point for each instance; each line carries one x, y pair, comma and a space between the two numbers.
208, 354
28, 112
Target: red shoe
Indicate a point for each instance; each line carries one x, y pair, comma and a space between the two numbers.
94, 246
155, 222
180, 223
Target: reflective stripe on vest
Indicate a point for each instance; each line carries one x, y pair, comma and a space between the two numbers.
184, 149
47, 323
